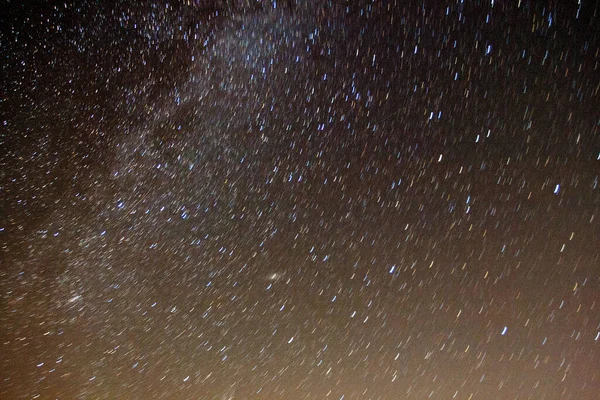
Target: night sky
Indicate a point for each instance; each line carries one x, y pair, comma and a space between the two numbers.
304, 199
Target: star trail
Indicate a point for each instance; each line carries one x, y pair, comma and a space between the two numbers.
301, 199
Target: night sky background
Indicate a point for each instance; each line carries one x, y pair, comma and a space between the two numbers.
300, 200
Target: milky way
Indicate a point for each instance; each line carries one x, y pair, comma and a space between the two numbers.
300, 200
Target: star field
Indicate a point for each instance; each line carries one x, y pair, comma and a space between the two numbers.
300, 200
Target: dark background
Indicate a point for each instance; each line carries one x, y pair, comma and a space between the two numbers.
300, 200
